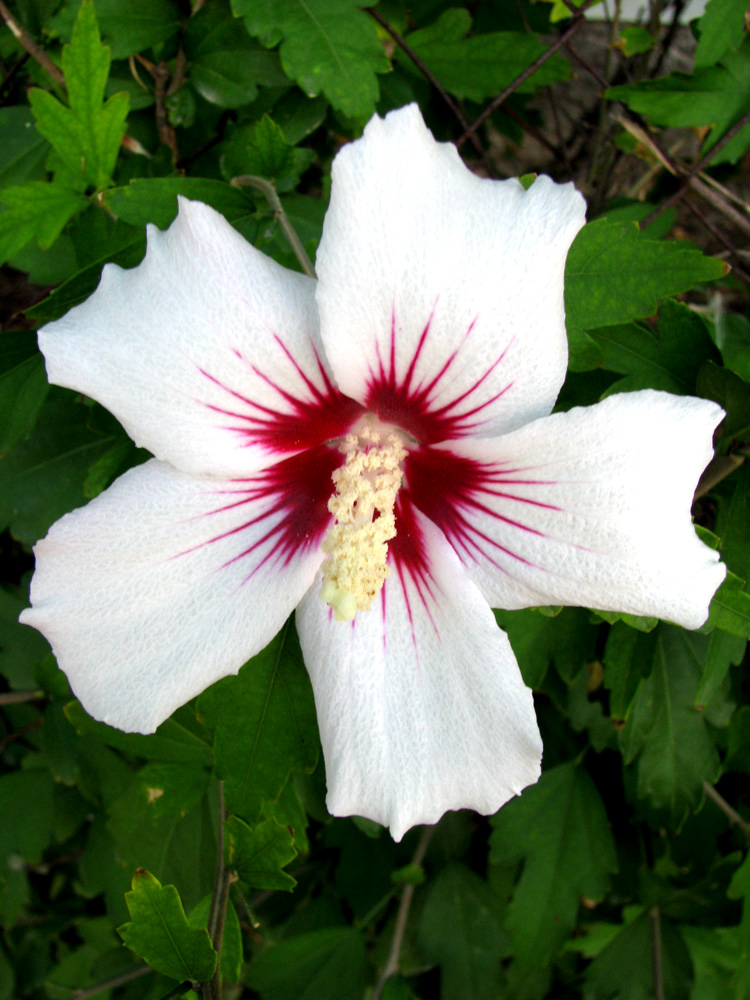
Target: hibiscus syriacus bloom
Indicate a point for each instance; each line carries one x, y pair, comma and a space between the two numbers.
376, 450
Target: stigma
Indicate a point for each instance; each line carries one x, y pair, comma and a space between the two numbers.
356, 545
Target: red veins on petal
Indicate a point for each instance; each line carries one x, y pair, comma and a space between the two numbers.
319, 413
285, 507
454, 492
401, 400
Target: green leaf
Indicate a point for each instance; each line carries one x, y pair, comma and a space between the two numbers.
481, 66
23, 386
720, 28
664, 733
739, 888
670, 359
231, 940
460, 931
733, 340
326, 963
724, 650
42, 478
730, 608
154, 199
259, 149
172, 742
21, 647
732, 519
23, 151
326, 45
567, 640
717, 95
560, 828
159, 933
614, 275
227, 66
136, 25
732, 393
628, 659
265, 725
38, 210
624, 969
635, 40
87, 135
258, 854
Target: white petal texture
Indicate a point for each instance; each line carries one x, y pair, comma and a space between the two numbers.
589, 507
167, 582
441, 293
420, 702
208, 353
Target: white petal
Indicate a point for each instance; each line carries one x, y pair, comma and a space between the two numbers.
590, 507
420, 702
167, 582
208, 352
441, 293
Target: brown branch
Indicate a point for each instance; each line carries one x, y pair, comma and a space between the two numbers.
34, 50
738, 268
430, 76
16, 697
12, 74
522, 77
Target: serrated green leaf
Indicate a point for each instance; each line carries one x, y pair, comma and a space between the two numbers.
259, 149
259, 854
154, 199
289, 812
460, 931
613, 275
482, 65
37, 211
668, 360
664, 734
86, 135
231, 939
171, 741
724, 650
265, 725
131, 27
227, 66
733, 340
23, 386
732, 393
559, 826
634, 40
326, 963
624, 970
159, 933
739, 888
720, 28
327, 46
715, 952
21, 647
567, 640
730, 608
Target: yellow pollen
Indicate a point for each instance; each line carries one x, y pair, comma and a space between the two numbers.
357, 544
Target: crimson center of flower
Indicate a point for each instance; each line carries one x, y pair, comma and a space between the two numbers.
356, 545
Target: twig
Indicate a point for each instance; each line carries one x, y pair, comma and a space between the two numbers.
505, 94
656, 960
732, 815
249, 180
12, 74
15, 697
34, 50
110, 984
430, 76
219, 898
402, 917
739, 266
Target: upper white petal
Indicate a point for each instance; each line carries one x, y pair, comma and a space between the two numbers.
159, 587
420, 702
192, 348
414, 241
592, 508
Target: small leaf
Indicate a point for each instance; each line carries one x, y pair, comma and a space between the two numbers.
635, 40
730, 608
614, 275
265, 725
37, 211
559, 826
720, 28
87, 135
326, 45
260, 149
258, 855
159, 933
